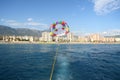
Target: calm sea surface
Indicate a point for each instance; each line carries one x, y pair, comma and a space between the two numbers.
74, 62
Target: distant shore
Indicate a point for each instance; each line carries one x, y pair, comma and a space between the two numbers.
26, 42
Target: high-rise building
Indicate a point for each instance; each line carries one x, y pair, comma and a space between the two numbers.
70, 37
46, 37
96, 37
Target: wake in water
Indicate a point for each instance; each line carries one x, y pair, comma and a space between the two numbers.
62, 72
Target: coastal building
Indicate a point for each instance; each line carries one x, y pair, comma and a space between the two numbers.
83, 39
70, 37
46, 37
63, 39
17, 38
1, 38
109, 39
31, 38
36, 39
25, 38
117, 39
96, 38
9, 38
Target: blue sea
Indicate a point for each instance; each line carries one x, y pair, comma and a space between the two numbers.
73, 62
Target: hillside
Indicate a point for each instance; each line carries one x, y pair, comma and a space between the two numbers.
28, 32
6, 30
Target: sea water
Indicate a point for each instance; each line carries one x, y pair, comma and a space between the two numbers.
74, 61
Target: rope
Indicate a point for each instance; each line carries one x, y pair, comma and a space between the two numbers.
53, 65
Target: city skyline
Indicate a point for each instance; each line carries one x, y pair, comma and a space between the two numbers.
83, 16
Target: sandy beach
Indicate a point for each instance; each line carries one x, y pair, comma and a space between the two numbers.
27, 42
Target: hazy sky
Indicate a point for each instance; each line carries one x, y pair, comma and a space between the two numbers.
81, 15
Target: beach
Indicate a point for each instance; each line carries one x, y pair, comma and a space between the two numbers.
27, 42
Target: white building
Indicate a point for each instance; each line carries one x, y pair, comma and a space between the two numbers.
96, 37
70, 37
117, 39
83, 39
46, 37
31, 38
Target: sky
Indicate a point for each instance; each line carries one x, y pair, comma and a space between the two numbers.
82, 16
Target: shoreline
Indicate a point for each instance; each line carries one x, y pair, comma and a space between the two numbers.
25, 42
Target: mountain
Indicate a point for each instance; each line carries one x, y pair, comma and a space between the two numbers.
6, 30
28, 32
